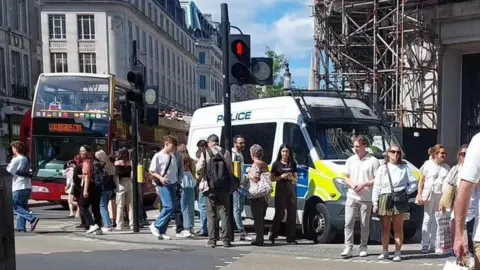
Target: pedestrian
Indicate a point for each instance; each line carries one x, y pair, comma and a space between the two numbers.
216, 167
124, 195
360, 175
239, 196
201, 198
164, 169
90, 196
468, 186
112, 204
394, 181
285, 174
177, 212
70, 188
258, 205
430, 188
104, 174
188, 184
19, 168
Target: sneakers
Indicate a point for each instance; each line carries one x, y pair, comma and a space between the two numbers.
246, 237
347, 252
93, 229
154, 230
384, 255
363, 252
425, 249
164, 237
34, 223
106, 230
397, 257
184, 234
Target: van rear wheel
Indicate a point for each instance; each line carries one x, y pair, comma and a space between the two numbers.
318, 226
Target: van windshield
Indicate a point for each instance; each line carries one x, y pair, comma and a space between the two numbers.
336, 141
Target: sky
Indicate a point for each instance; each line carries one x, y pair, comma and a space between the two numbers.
286, 26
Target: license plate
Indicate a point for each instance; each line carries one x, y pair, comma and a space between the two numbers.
407, 216
64, 197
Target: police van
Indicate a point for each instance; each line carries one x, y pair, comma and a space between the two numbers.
319, 125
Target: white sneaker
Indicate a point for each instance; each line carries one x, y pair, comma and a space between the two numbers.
397, 257
154, 230
347, 252
246, 237
105, 230
187, 233
98, 232
385, 255
164, 237
363, 252
93, 229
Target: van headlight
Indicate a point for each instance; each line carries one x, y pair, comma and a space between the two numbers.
341, 186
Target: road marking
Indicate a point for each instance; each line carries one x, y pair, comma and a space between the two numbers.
46, 253
125, 249
219, 266
236, 258
87, 251
227, 262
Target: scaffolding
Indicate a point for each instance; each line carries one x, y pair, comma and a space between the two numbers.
383, 47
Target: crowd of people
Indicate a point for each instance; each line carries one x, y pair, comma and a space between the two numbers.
100, 186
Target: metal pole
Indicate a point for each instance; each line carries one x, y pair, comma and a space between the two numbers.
7, 234
227, 114
136, 197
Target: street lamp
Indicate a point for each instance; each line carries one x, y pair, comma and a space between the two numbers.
8, 111
287, 78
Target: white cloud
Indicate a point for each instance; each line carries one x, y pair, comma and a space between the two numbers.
291, 34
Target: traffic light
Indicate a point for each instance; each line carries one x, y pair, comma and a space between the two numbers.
262, 71
239, 64
137, 77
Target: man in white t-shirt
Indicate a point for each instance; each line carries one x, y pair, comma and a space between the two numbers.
470, 175
164, 169
360, 173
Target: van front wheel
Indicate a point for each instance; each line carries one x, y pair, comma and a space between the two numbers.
318, 226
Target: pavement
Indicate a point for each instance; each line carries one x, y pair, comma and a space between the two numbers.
58, 243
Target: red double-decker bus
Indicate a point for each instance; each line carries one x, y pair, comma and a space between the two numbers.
70, 110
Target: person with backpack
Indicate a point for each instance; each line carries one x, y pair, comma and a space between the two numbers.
104, 177
164, 170
215, 166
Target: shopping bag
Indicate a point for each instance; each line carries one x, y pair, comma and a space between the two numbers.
444, 243
454, 265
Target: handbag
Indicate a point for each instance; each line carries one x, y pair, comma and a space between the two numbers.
396, 197
262, 188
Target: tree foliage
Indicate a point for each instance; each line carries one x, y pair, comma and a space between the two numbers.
279, 63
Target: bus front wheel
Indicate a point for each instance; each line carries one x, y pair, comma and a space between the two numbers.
318, 224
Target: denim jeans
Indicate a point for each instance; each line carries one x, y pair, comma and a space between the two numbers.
188, 205
20, 205
202, 207
167, 195
238, 205
106, 196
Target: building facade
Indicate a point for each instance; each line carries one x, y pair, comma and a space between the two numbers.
96, 37
208, 51
20, 56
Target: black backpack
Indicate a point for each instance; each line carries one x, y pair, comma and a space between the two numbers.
219, 178
100, 175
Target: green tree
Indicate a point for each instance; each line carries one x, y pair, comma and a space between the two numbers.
279, 63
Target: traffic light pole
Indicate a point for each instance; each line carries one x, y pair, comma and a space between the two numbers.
227, 114
134, 157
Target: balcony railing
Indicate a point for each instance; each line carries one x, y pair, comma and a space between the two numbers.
20, 92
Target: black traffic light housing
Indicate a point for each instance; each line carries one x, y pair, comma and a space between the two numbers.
137, 77
262, 71
239, 56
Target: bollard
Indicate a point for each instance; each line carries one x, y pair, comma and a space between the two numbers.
7, 234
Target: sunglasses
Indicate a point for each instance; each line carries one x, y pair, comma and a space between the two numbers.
395, 152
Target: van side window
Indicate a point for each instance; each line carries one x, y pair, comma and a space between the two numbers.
262, 134
293, 136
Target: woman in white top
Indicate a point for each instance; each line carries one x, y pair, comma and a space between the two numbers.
449, 190
394, 180
430, 187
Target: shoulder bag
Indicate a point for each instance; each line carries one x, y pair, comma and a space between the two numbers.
399, 197
263, 188
157, 181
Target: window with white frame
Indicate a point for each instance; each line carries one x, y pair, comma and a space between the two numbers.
150, 46
130, 31
16, 62
24, 16
156, 52
15, 7
57, 26
58, 62
149, 10
155, 16
88, 62
161, 20
203, 82
143, 6
2, 8
3, 81
26, 70
86, 26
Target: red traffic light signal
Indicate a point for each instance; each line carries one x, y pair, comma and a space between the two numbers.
239, 48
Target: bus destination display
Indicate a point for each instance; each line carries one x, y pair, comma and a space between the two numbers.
65, 128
